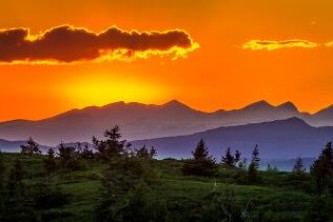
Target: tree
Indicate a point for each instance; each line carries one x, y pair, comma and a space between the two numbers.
202, 163
145, 153
322, 170
237, 157
87, 153
299, 168
49, 162
201, 151
31, 148
68, 157
228, 160
253, 171
128, 180
18, 206
112, 146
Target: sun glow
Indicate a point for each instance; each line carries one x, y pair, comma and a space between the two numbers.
103, 91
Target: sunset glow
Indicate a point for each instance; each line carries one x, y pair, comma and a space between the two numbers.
215, 54
100, 91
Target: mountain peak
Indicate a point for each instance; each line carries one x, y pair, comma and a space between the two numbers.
262, 104
174, 103
288, 106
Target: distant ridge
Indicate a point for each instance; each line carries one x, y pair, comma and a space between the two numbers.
140, 121
279, 139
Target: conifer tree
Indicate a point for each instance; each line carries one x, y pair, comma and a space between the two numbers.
299, 166
112, 146
322, 170
49, 162
253, 171
201, 151
237, 157
31, 148
228, 160
202, 163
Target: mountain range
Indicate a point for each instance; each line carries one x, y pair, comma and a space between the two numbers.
140, 121
279, 139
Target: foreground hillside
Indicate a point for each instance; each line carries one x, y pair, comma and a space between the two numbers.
118, 182
278, 197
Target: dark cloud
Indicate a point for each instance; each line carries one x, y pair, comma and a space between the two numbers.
70, 44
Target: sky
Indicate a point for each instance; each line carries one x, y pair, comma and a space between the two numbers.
209, 54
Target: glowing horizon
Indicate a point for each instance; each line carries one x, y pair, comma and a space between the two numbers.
249, 51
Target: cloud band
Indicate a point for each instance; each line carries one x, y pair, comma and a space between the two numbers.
275, 45
67, 44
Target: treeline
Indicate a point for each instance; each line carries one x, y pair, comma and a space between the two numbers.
131, 178
21, 201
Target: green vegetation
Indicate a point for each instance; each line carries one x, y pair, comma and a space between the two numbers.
116, 182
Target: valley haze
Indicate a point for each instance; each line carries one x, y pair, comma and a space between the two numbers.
281, 131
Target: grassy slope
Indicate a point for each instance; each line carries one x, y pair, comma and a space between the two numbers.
84, 186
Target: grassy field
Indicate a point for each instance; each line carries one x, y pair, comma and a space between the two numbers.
275, 195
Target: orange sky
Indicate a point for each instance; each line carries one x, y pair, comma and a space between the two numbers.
222, 73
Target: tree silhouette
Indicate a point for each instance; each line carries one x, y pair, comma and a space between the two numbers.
299, 166
253, 171
322, 170
31, 148
201, 151
145, 153
112, 146
228, 160
202, 163
49, 162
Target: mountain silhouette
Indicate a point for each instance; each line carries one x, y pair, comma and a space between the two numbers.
140, 121
278, 139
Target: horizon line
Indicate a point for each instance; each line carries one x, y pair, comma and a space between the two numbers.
174, 101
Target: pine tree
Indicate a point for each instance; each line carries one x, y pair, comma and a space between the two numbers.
255, 157
299, 166
112, 146
253, 171
49, 162
202, 163
152, 152
237, 157
145, 153
322, 169
228, 160
31, 148
201, 151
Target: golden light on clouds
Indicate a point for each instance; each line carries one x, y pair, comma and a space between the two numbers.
70, 44
275, 44
297, 54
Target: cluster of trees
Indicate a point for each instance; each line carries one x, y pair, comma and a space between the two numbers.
20, 201
70, 156
320, 177
130, 183
203, 164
